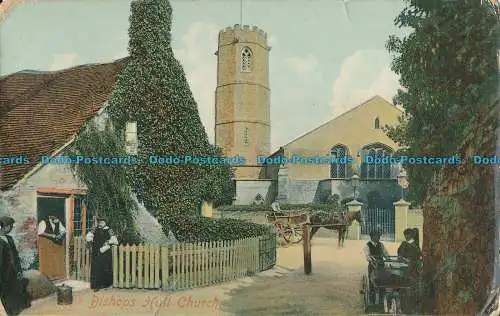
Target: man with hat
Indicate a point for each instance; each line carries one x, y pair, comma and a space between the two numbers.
101, 238
409, 251
375, 252
13, 292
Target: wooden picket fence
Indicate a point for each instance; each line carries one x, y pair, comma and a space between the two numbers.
80, 260
180, 266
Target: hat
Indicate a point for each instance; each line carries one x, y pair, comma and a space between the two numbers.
375, 233
6, 221
409, 232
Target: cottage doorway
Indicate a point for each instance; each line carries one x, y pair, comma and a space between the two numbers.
51, 211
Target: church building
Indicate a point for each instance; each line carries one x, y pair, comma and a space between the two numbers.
243, 127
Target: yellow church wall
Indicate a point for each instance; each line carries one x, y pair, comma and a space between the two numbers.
354, 129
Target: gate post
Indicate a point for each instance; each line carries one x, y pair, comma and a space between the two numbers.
306, 242
355, 230
401, 219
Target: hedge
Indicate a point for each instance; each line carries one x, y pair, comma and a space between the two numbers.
267, 208
206, 229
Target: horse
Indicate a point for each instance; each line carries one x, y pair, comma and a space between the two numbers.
339, 221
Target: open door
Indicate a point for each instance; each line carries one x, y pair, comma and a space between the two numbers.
52, 222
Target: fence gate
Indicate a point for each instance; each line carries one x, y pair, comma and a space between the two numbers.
381, 219
267, 250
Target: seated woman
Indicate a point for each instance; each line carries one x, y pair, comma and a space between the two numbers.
409, 250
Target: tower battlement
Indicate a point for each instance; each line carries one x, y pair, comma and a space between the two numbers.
247, 28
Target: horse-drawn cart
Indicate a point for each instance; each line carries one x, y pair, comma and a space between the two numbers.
385, 287
288, 225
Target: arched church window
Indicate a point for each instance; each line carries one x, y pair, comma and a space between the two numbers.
338, 167
246, 60
377, 123
372, 169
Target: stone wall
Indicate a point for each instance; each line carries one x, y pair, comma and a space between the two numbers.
20, 204
459, 229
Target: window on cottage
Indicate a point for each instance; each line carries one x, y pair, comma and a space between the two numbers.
245, 136
246, 60
131, 141
372, 170
377, 123
338, 169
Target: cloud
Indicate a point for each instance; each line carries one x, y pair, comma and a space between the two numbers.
196, 54
362, 75
63, 61
303, 64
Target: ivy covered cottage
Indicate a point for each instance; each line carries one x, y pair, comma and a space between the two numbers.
40, 114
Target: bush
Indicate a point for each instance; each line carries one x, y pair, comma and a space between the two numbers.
205, 229
267, 208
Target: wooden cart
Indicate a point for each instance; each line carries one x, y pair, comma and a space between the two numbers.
288, 225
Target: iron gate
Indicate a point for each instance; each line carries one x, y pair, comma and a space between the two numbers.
380, 219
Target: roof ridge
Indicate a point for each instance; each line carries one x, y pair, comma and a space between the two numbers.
339, 116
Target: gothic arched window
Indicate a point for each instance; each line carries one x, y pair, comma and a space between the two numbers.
246, 60
377, 123
372, 170
338, 169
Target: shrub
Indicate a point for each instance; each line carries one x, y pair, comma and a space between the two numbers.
205, 229
267, 208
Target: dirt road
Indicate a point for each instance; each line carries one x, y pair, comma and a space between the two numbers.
331, 289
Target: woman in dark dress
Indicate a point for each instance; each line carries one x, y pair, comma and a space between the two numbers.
101, 239
409, 250
13, 292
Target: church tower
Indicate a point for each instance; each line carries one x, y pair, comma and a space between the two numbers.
242, 97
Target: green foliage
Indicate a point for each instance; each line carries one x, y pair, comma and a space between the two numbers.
205, 229
449, 71
108, 190
267, 208
153, 91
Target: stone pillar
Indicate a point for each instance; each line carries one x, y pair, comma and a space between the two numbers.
355, 229
401, 219
206, 209
282, 196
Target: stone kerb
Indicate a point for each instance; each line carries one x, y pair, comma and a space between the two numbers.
401, 219
354, 231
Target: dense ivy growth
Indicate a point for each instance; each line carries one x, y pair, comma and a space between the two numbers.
449, 71
153, 91
108, 190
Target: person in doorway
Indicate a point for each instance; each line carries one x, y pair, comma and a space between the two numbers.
375, 252
51, 247
52, 230
101, 270
13, 286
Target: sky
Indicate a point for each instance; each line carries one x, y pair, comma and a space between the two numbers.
324, 59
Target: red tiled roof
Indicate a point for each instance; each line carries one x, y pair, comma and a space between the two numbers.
41, 111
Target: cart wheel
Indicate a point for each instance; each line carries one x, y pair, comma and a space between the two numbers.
287, 235
293, 236
366, 293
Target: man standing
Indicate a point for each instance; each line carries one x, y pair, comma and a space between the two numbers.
51, 247
375, 252
13, 293
101, 270
53, 231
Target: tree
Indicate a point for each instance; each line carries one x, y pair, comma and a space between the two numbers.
108, 191
448, 69
153, 91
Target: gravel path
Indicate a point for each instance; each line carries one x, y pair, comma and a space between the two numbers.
331, 289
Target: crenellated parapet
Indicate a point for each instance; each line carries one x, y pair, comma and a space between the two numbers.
243, 33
